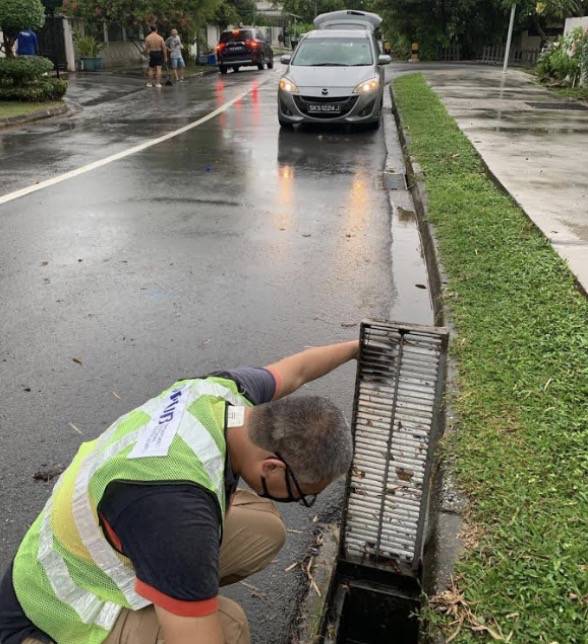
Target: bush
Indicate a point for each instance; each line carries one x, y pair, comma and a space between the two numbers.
16, 15
45, 89
24, 69
566, 60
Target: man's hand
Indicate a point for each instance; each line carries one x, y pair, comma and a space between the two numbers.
294, 371
190, 630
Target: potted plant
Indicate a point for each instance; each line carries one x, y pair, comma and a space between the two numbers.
88, 49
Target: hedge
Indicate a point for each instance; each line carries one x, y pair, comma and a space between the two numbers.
45, 89
24, 69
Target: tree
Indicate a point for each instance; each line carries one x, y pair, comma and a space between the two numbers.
538, 13
16, 15
437, 23
185, 15
235, 12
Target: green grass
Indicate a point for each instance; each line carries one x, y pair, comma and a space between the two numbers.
521, 347
15, 108
571, 92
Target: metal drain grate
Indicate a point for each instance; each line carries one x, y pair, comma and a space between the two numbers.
396, 419
571, 105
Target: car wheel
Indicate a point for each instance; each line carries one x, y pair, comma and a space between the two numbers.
260, 64
235, 68
270, 65
222, 69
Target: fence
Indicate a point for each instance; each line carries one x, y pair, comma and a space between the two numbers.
453, 52
494, 55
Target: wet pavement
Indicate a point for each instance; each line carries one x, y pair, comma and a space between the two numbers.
534, 142
232, 243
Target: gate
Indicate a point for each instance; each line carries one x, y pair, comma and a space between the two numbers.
52, 42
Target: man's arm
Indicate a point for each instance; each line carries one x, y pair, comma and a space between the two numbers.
189, 630
296, 370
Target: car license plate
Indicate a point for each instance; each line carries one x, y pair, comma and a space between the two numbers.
330, 108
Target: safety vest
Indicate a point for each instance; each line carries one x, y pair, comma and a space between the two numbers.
67, 577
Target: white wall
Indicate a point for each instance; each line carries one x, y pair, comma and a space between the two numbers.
572, 23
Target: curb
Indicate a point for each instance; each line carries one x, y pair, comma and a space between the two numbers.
448, 504
311, 611
34, 116
404, 185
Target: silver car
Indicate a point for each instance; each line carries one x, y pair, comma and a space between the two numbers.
336, 74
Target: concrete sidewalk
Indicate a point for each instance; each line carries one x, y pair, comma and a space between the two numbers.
534, 142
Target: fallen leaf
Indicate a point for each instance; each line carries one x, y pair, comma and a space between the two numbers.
75, 428
77, 361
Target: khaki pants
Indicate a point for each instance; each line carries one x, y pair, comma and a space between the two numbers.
254, 532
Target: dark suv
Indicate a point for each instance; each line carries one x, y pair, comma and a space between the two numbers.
243, 47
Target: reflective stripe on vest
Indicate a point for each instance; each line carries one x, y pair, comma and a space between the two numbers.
202, 444
89, 608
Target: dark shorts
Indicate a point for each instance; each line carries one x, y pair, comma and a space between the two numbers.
155, 58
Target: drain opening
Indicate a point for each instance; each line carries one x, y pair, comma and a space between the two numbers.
397, 419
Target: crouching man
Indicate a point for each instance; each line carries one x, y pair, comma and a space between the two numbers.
146, 522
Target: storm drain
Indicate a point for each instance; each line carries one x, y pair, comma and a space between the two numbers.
397, 418
571, 105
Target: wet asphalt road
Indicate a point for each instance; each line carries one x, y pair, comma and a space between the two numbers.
230, 244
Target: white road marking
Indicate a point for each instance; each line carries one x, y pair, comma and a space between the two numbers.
11, 196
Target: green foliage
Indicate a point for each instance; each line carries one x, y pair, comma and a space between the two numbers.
25, 69
566, 60
45, 89
235, 12
88, 46
309, 9
521, 349
184, 15
16, 15
435, 24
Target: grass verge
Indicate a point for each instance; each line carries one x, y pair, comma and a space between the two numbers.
15, 108
521, 349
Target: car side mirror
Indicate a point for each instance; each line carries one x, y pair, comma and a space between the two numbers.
285, 59
384, 59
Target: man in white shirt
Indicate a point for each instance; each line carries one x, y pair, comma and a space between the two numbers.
174, 47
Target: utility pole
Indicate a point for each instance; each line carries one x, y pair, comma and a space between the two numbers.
509, 38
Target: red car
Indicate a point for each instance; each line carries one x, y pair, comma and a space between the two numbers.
245, 47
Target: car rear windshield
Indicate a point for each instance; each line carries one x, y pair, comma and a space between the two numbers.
333, 52
236, 36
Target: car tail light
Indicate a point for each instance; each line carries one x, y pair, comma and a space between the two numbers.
220, 47
253, 44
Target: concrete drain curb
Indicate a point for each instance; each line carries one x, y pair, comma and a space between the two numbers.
449, 504
403, 180
37, 115
312, 608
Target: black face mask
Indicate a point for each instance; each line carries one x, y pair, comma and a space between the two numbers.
307, 500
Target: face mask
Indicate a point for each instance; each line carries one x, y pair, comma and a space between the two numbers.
307, 500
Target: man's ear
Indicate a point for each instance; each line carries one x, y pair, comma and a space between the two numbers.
271, 464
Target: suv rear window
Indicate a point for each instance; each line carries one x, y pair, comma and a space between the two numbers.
236, 36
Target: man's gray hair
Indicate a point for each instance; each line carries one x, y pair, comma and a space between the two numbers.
309, 432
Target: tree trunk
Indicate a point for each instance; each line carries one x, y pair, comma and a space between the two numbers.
9, 41
539, 29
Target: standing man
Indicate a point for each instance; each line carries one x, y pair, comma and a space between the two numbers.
155, 48
27, 43
174, 48
146, 522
